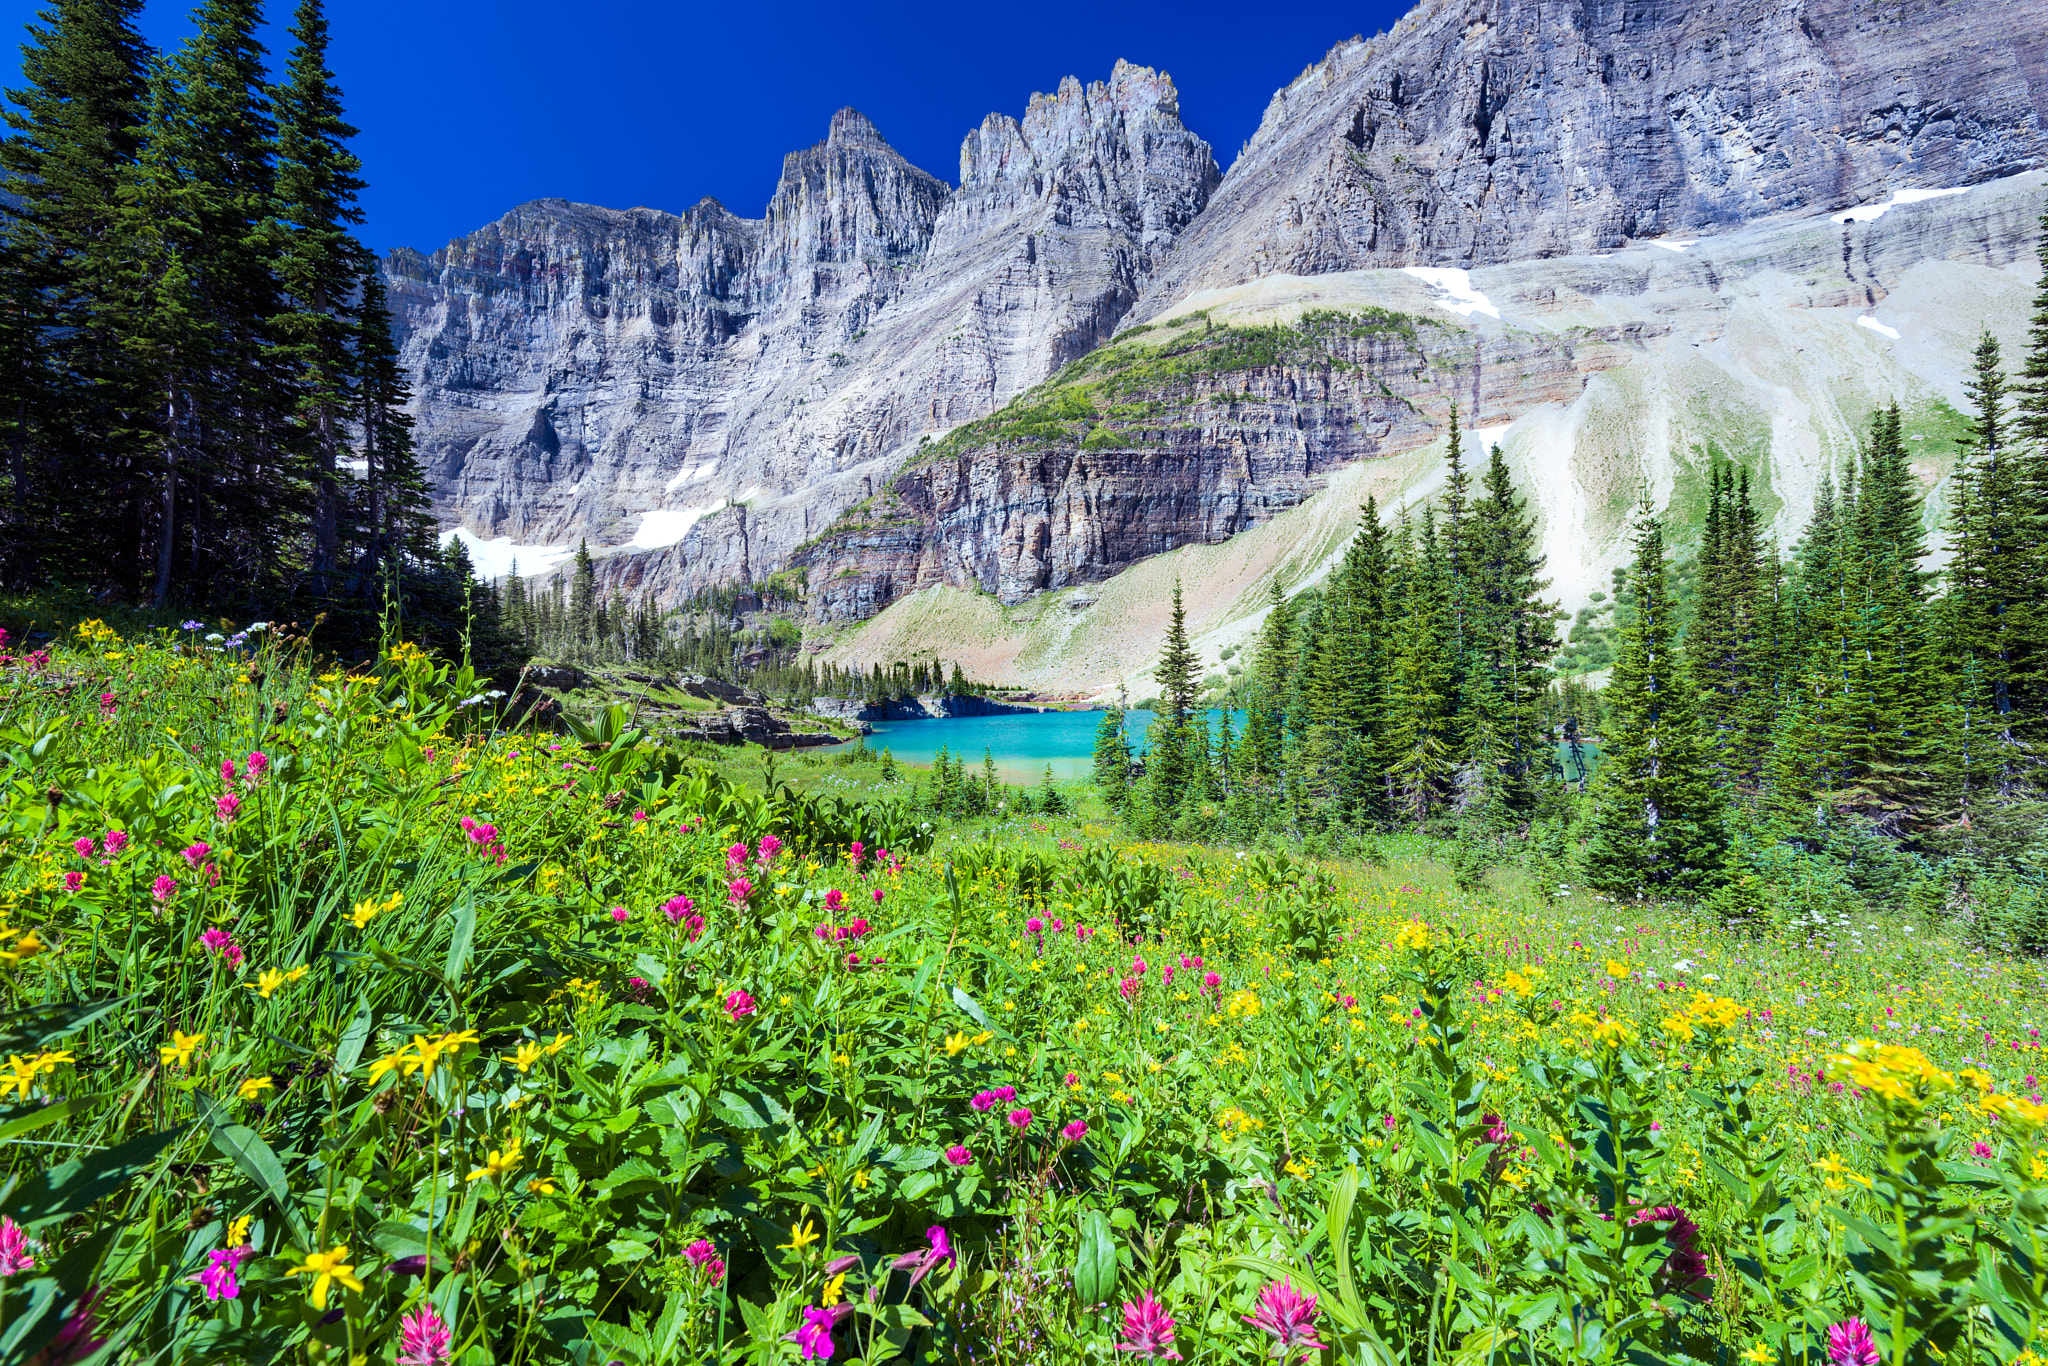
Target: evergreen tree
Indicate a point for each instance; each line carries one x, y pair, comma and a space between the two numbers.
319, 268
1170, 764
68, 394
1657, 821
1422, 738
1112, 759
1513, 636
1265, 720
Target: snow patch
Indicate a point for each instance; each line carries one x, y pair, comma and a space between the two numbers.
687, 475
1870, 213
1678, 244
1876, 326
361, 467
493, 559
666, 526
749, 495
1456, 285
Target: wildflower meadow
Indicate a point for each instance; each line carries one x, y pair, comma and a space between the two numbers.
349, 1017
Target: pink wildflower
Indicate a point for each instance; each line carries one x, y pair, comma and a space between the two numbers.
225, 806
1020, 1120
423, 1338
1210, 981
1982, 1150
227, 770
14, 1254
768, 849
675, 908
1148, 1330
195, 854
738, 1004
835, 901
855, 852
164, 889
73, 880
113, 842
959, 1156
1128, 987
877, 894
1005, 1093
1289, 1316
942, 1247
1075, 1131
983, 1103
814, 1337
1849, 1344
218, 1279
1034, 926
619, 915
738, 891
83, 846
735, 858
257, 762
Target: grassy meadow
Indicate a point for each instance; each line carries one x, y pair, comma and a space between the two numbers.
345, 1023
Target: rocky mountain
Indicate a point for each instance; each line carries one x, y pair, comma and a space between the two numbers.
1483, 131
1623, 238
698, 393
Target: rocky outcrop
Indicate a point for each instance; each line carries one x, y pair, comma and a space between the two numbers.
747, 725
1770, 345
697, 393
1484, 131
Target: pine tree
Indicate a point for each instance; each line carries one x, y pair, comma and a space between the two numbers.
2026, 631
1112, 759
1170, 765
1422, 738
1983, 614
319, 267
1657, 822
70, 501
1513, 637
1265, 720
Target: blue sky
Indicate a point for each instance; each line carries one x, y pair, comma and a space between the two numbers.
467, 109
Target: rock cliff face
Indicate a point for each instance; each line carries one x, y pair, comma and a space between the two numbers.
698, 393
1610, 376
1095, 350
1483, 131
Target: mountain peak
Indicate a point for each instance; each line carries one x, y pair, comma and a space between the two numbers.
851, 128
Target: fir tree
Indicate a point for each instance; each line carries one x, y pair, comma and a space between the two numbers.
1112, 759
1657, 822
68, 392
1170, 764
319, 267
1265, 720
1513, 636
1422, 739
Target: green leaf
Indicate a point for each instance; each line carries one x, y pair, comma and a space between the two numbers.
256, 1160
458, 945
1095, 1264
21, 1119
749, 1108
77, 1185
349, 1051
38, 1027
974, 1011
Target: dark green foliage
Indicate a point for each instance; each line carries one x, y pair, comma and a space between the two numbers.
1657, 820
195, 342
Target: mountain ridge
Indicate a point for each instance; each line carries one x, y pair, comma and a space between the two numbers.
709, 398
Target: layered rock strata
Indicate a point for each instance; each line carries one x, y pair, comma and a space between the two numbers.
698, 393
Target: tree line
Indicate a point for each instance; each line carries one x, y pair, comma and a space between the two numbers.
1840, 719
200, 399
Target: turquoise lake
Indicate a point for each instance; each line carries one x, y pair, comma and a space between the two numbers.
1021, 745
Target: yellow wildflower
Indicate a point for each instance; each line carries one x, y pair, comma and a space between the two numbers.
957, 1044
180, 1049
499, 1161
327, 1268
1617, 969
1759, 1354
527, 1055
1412, 935
801, 1236
254, 1087
238, 1231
